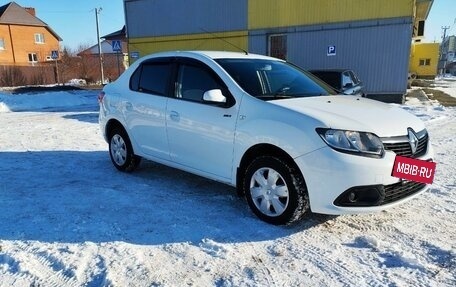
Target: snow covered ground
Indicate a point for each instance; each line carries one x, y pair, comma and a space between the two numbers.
68, 218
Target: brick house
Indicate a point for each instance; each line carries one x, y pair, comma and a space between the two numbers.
26, 45
24, 38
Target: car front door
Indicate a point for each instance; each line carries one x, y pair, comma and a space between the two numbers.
200, 133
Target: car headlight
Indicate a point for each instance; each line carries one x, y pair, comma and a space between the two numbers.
353, 142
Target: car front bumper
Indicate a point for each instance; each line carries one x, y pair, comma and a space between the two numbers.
340, 183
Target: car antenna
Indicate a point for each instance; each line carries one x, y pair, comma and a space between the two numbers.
221, 39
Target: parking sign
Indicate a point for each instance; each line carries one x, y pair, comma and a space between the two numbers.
331, 51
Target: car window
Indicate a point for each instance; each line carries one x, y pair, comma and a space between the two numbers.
354, 77
331, 78
271, 79
194, 81
151, 78
134, 80
346, 79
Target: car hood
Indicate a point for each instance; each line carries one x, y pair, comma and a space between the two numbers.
353, 113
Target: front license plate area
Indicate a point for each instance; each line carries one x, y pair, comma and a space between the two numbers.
414, 169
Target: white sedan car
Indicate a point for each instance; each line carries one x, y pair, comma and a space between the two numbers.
273, 131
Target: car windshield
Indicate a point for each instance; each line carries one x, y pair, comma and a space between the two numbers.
270, 79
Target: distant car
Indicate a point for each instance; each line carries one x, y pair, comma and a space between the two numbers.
286, 141
344, 81
411, 77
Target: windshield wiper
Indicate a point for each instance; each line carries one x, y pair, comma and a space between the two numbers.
279, 94
274, 96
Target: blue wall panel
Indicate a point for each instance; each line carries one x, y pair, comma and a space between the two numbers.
378, 51
152, 18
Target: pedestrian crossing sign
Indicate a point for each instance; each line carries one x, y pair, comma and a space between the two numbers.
54, 54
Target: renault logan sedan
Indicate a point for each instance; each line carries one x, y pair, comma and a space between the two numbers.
273, 131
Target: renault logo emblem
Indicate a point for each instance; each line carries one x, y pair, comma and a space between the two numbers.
413, 140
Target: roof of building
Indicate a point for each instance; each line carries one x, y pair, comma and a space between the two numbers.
13, 14
117, 35
106, 48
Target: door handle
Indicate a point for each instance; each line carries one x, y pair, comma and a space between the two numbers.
174, 115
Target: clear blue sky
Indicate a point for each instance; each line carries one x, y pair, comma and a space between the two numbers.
74, 20
443, 13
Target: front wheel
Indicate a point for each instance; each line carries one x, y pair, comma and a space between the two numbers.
275, 190
121, 151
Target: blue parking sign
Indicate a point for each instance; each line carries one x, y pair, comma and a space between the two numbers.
331, 51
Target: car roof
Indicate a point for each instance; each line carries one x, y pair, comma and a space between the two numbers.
211, 54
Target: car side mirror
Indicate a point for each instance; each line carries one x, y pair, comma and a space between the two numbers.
348, 86
214, 96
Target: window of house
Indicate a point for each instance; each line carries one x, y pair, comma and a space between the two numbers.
2, 44
425, 62
32, 57
39, 38
420, 28
278, 46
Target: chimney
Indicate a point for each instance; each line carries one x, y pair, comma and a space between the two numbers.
31, 11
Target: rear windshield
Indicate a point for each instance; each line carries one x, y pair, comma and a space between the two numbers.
270, 79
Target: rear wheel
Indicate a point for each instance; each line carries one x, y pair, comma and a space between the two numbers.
275, 190
121, 151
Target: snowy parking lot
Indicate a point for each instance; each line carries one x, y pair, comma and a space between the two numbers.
69, 218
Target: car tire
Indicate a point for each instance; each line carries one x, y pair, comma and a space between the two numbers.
121, 151
275, 190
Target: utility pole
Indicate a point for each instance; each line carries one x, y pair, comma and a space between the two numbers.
100, 55
443, 53
444, 28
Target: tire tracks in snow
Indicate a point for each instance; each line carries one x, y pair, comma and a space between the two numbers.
40, 268
339, 273
320, 260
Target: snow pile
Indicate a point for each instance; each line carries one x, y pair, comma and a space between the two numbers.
77, 82
48, 100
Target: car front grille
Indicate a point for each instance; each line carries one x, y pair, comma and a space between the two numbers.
400, 190
401, 145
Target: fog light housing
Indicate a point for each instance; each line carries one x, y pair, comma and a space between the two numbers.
372, 195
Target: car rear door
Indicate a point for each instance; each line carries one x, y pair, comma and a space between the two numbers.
201, 134
145, 111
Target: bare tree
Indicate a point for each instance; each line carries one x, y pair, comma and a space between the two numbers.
85, 63
12, 76
70, 63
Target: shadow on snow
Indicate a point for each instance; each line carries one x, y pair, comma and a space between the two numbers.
89, 117
77, 196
